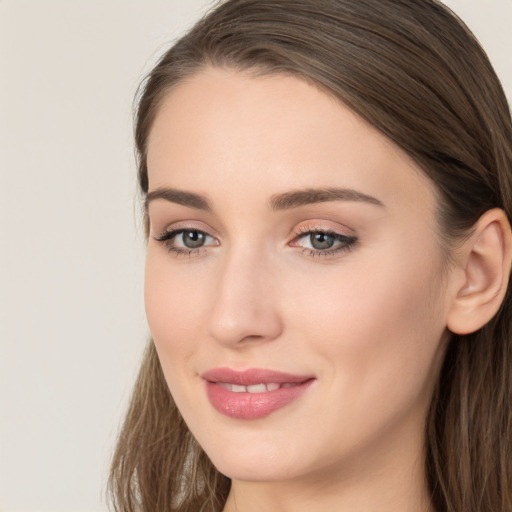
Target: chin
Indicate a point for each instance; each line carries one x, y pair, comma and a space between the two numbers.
254, 461
249, 470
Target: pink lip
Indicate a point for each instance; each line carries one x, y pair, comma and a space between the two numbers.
250, 406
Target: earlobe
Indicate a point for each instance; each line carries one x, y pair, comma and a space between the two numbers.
485, 260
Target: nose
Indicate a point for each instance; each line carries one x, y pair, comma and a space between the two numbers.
245, 308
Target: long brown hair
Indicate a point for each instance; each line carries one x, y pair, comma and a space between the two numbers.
413, 70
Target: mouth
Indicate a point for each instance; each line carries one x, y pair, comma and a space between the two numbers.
256, 388
253, 394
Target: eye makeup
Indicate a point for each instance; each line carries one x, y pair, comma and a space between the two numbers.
313, 241
186, 241
322, 242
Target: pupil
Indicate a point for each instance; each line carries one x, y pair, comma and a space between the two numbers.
193, 239
321, 240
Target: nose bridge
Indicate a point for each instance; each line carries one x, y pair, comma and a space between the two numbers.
245, 306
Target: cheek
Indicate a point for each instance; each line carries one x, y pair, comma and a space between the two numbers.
172, 299
377, 321
376, 337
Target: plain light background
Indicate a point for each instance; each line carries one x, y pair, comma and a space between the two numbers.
72, 325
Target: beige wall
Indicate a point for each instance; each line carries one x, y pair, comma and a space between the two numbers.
71, 312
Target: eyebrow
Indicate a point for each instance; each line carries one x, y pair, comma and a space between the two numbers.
294, 199
285, 201
179, 197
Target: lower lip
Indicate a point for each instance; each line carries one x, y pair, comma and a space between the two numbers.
252, 406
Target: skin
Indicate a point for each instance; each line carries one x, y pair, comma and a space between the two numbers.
368, 322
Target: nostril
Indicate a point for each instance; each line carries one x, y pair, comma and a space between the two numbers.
243, 307
240, 328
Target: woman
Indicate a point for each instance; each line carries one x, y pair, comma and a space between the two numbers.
327, 191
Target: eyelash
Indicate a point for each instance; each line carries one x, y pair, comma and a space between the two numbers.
167, 239
345, 243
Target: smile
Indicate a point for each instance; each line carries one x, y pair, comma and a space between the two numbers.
255, 388
254, 393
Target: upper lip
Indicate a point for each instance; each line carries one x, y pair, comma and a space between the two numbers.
252, 376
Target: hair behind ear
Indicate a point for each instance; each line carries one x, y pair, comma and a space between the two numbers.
469, 429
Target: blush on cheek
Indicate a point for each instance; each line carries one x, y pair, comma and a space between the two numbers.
386, 314
169, 305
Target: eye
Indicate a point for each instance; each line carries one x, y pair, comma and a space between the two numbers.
185, 241
317, 242
192, 239
321, 241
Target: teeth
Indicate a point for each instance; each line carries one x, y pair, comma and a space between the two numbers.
257, 388
254, 388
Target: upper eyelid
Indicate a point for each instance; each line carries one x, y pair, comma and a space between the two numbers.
180, 229
303, 228
316, 226
184, 225
318, 229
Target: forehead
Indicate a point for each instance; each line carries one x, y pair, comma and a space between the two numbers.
273, 132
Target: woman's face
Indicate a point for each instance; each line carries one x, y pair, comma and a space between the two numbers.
295, 286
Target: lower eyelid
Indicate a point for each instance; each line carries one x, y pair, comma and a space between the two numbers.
329, 252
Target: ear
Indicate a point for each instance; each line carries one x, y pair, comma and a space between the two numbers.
485, 261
